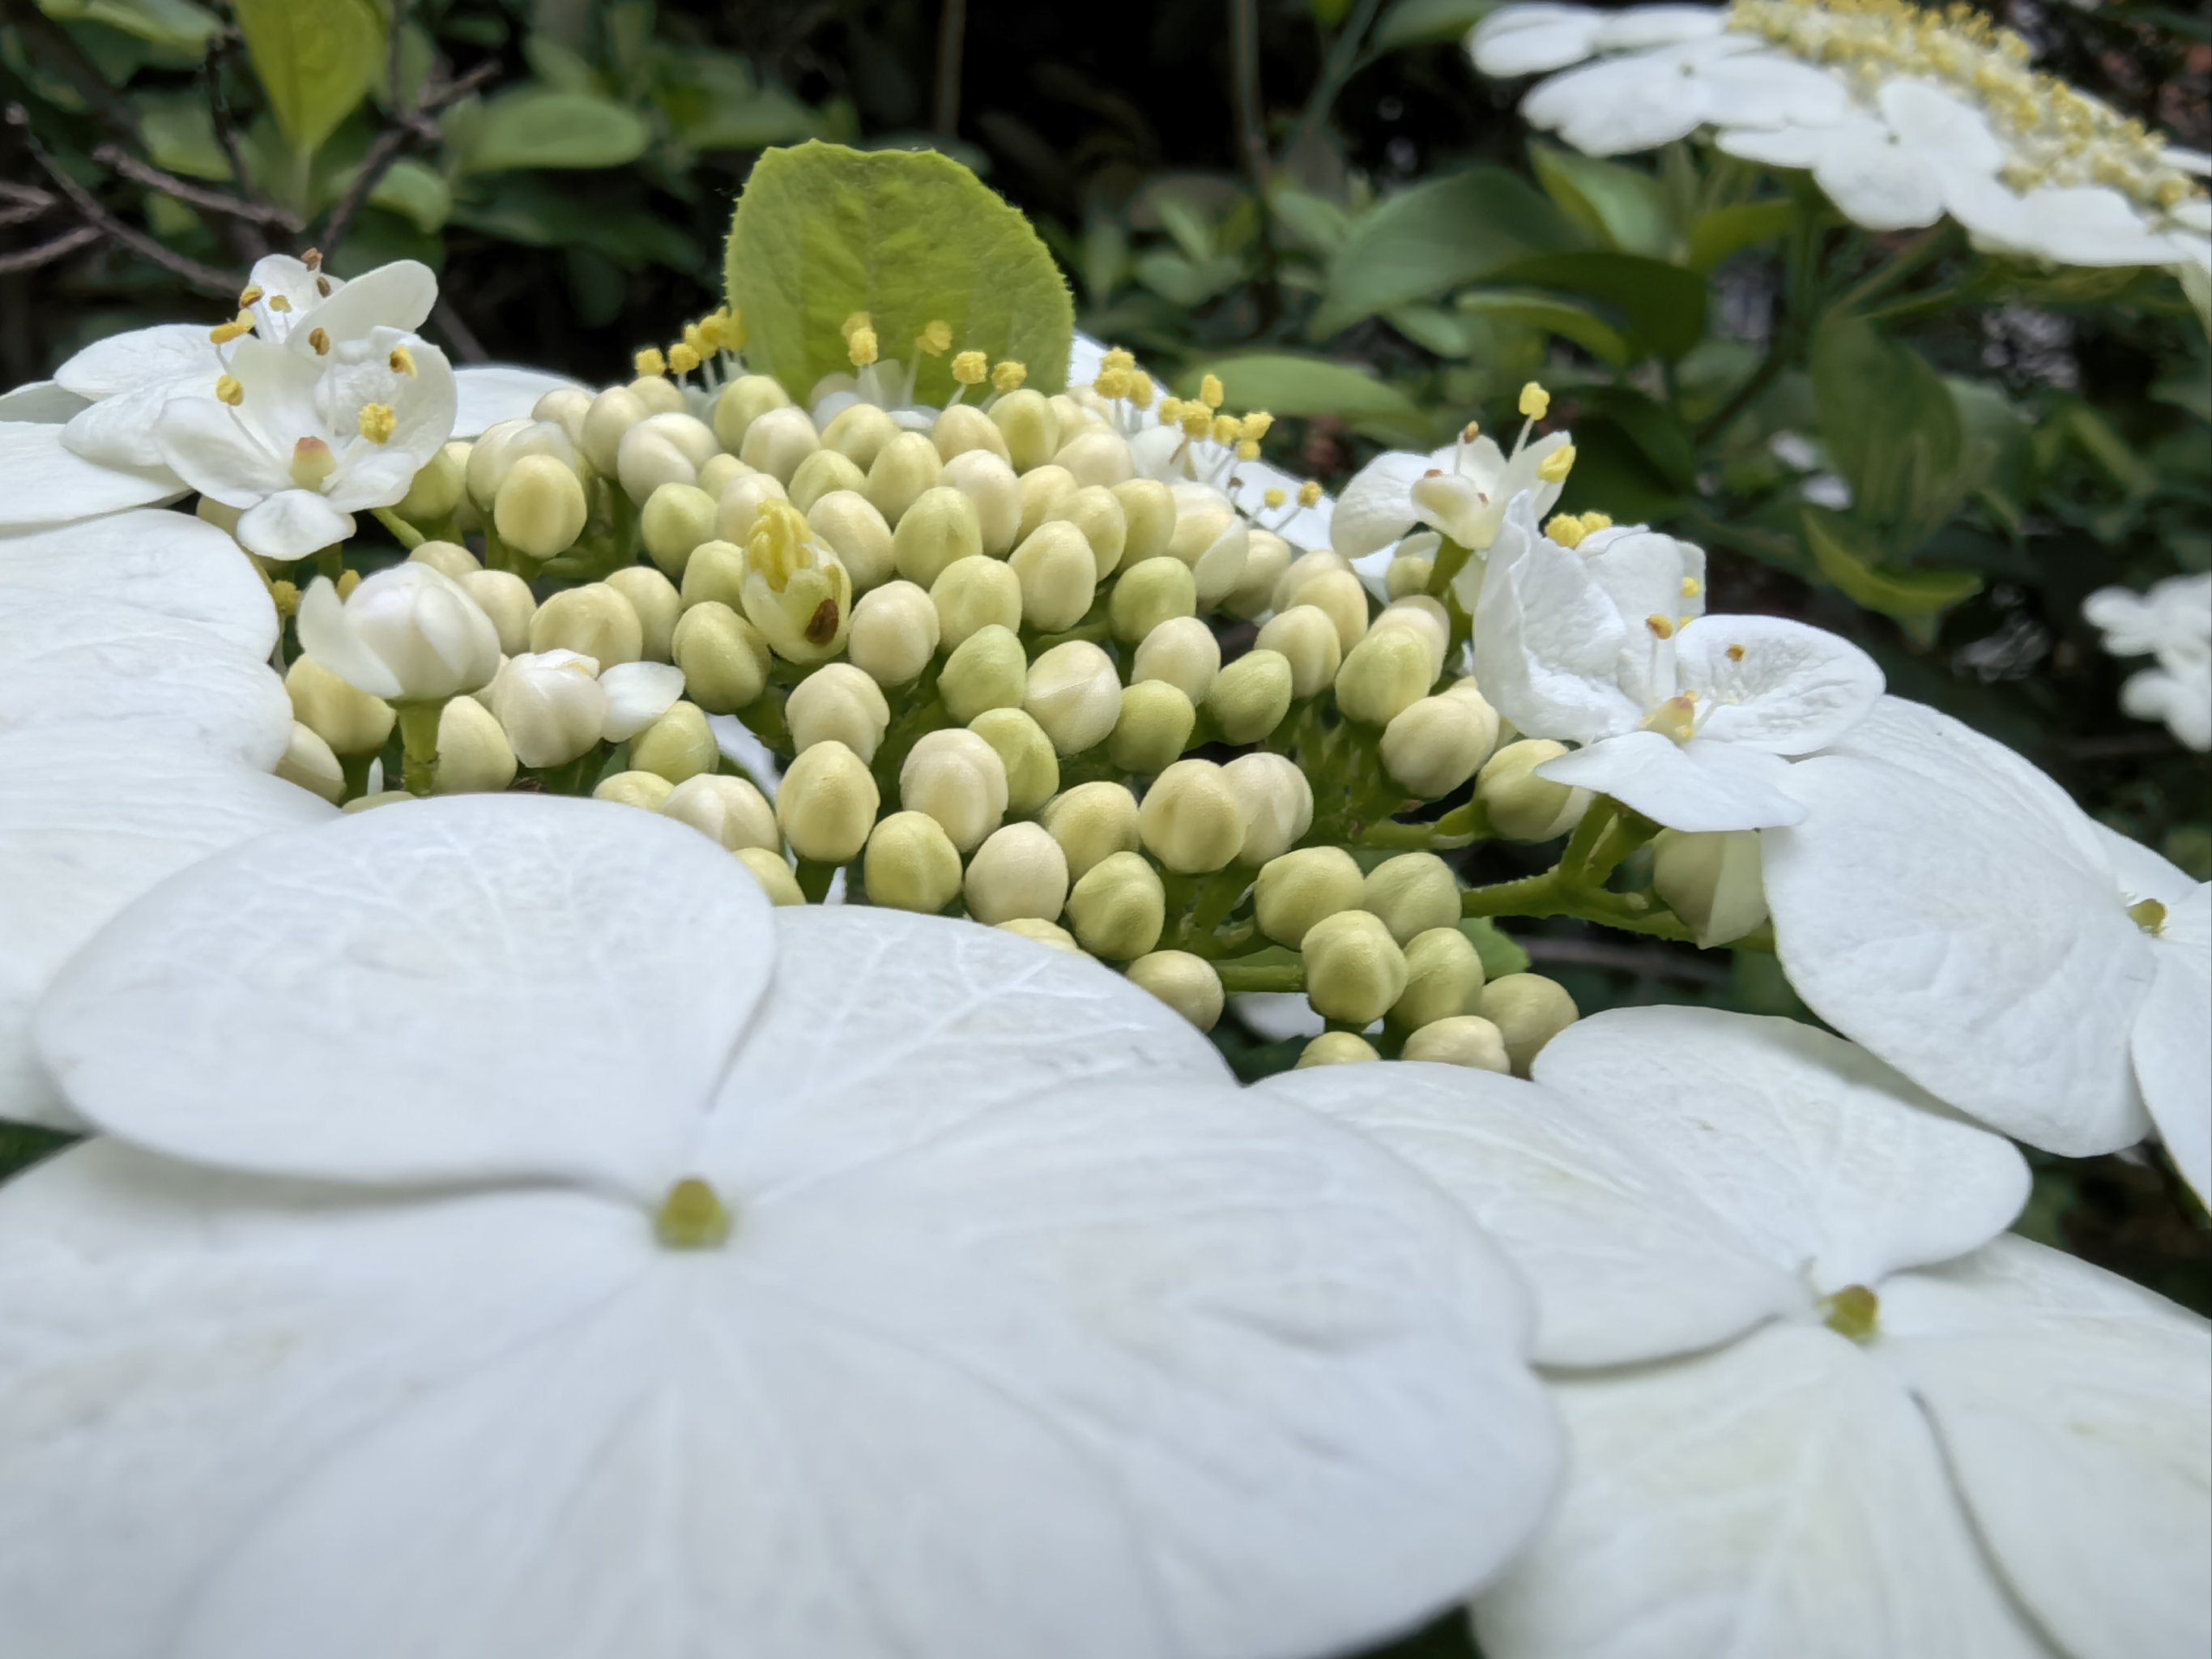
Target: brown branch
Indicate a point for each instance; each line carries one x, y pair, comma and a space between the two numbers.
204, 277
117, 158
227, 125
414, 125
952, 43
46, 252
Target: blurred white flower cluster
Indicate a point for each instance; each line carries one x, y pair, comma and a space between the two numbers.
2172, 624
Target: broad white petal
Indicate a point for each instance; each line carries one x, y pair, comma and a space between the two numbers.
1620, 104
1303, 527
1879, 181
1626, 1262
2090, 225
1376, 507
638, 694
1832, 1164
1646, 575
1947, 131
1531, 40
47, 485
2173, 1040
1085, 358
1699, 785
292, 524
49, 402
141, 356
1769, 683
1767, 88
86, 826
1780, 1496
395, 296
751, 757
2143, 873
491, 392
328, 634
218, 455
119, 431
1547, 640
1793, 146
1636, 27
169, 563
2071, 1408
571, 1010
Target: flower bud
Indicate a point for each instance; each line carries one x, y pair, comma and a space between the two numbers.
957, 779
724, 658
825, 473
859, 432
1303, 570
1092, 822
1018, 870
1519, 804
796, 593
1276, 803
962, 428
1049, 935
773, 871
1528, 1011
1424, 617
675, 518
655, 598
1336, 1048
1251, 697
593, 621
1149, 592
647, 790
986, 479
551, 706
663, 449
940, 529
987, 670
677, 745
975, 593
1097, 457
838, 703
1074, 694
826, 804
1057, 575
1267, 557
503, 444
565, 407
737, 509
847, 523
382, 798
1096, 513
1354, 968
350, 721
611, 414
1410, 894
726, 810
720, 471
448, 559
714, 574
1444, 978
1461, 1040
659, 394
1187, 983
1386, 673
894, 633
435, 490
1032, 770
1026, 419
474, 757
908, 465
1711, 881
1437, 743
1148, 516
1118, 907
1299, 889
1153, 729
1306, 639
1183, 652
406, 634
1340, 596
1190, 819
777, 440
1408, 575
744, 401
1217, 561
1046, 493
307, 762
540, 509
912, 864
1202, 513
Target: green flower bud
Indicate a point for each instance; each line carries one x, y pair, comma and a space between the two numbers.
507, 599
1182, 652
1046, 493
593, 621
653, 597
796, 593
912, 864
1267, 557
1307, 640
676, 517
1154, 728
838, 703
822, 473
1528, 1011
777, 440
1032, 768
859, 432
663, 449
1340, 596
351, 722
1186, 983
720, 472
1190, 819
307, 762
715, 573
540, 509
908, 465
987, 670
1018, 870
1026, 419
1276, 803
1074, 694
894, 633
726, 810
677, 745
1299, 889
1251, 697
1094, 511
773, 871
1098, 458
847, 523
986, 479
1461, 1040
974, 593
1202, 515
644, 789
724, 658
937, 532
435, 490
1336, 1048
1218, 565
1444, 978
1408, 575
1149, 592
1092, 822
1713, 882
1424, 618
738, 508
1148, 515
1050, 934
1386, 673
1410, 894
1519, 804
1354, 968
826, 804
957, 779
962, 427
612, 413
1437, 743
744, 401
1118, 907
1303, 570
1057, 575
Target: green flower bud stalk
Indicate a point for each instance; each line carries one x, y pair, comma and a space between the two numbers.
1301, 888
1387, 673
912, 864
987, 480
540, 508
796, 593
962, 427
838, 703
435, 490
1410, 894
1713, 882
646, 790
1436, 745
1186, 983
1147, 593
1025, 420
825, 473
1465, 1040
987, 669
738, 508
727, 811
1190, 819
1336, 1048
1057, 575
1528, 1011
858, 434
654, 598
826, 804
1118, 907
1276, 802
744, 401
593, 621
894, 633
1354, 969
774, 873
1094, 513
308, 762
777, 440
1148, 514
974, 593
1182, 653
907, 466
957, 779
677, 745
847, 523
1032, 768
724, 658
1074, 693
676, 517
1443, 980
941, 528
1306, 639
1153, 730
715, 574
1518, 805
1091, 822
348, 719
1250, 697
1018, 870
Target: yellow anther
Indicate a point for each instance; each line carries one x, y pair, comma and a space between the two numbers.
1536, 402
649, 361
1170, 411
1246, 450
970, 367
1009, 375
1273, 498
313, 259
683, 358
1197, 420
277, 302
2147, 915
936, 337
1691, 588
348, 580
1140, 388
320, 338
377, 422
1555, 466
853, 323
1308, 493
1735, 653
401, 360
1565, 529
1227, 428
251, 295
1597, 521
778, 548
860, 347
1112, 383
1257, 425
286, 596
1116, 357
224, 333
1470, 432
229, 391
1660, 627
1210, 393
709, 336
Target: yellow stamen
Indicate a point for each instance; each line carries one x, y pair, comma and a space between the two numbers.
1691, 588
1272, 499
1597, 521
650, 360
936, 337
313, 259
853, 323
320, 338
277, 302
860, 347
402, 361
1536, 402
1555, 466
377, 422
1257, 425
1009, 375
1116, 357
286, 596
1170, 411
229, 391
224, 333
683, 358
1309, 494
1140, 388
970, 367
251, 295
1227, 428
710, 336
1735, 653
1565, 529
1246, 450
1112, 383
1210, 393
2149, 915
1197, 420
1660, 627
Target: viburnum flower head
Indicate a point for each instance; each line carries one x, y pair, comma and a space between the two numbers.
611, 1260
2171, 624
1818, 1401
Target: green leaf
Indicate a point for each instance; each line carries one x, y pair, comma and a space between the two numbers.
1663, 306
179, 133
1916, 599
1328, 12
1288, 384
534, 127
1659, 437
416, 193
1435, 237
1314, 222
1426, 22
713, 102
1892, 431
317, 59
1187, 282
1620, 205
910, 237
1561, 317
1501, 953
175, 25
1718, 236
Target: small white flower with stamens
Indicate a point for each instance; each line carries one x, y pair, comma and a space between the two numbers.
888, 384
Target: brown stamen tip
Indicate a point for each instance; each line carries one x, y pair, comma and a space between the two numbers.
822, 627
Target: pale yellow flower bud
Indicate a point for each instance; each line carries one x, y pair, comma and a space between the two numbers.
655, 598
859, 432
1306, 639
551, 705
957, 779
1713, 882
1213, 541
1336, 1048
474, 757
972, 594
715, 574
912, 864
1320, 561
1074, 693
1528, 1011
1354, 968
1443, 977
382, 798
964, 428
660, 395
1032, 768
676, 517
1026, 419
1047, 492
777, 440
1148, 512
593, 621
724, 658
566, 408
987, 480
894, 633
987, 670
1300, 888
825, 473
838, 703
677, 745
1149, 592
350, 720
611, 414
1057, 573
744, 401
1465, 1040
1424, 618
847, 523
738, 508
1050, 934
435, 490
1384, 674
1187, 983
908, 465
826, 804
1182, 652
1276, 803
1410, 894
1250, 697
1096, 513
1118, 907
1154, 727
726, 810
507, 599
660, 449
796, 591
1439, 744
1092, 822
1519, 804
540, 508
1340, 596
938, 530
1190, 819
1267, 557
647, 790
1018, 870
447, 559
307, 762
1097, 457
1408, 575
773, 872
720, 472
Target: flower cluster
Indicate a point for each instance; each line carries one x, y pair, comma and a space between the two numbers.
2172, 624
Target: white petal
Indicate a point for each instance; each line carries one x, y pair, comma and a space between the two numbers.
1548, 641
751, 757
492, 393
329, 635
48, 403
178, 352
1792, 146
1530, 40
395, 296
1830, 1163
170, 563
1948, 907
1699, 785
1943, 128
2071, 1406
217, 454
47, 485
2173, 1040
1626, 1262
1769, 683
1303, 527
1620, 104
119, 431
638, 694
292, 524
1879, 182
1777, 1496
1639, 26
85, 828
1764, 90
584, 957
1376, 507
1085, 358
1645, 574
2090, 225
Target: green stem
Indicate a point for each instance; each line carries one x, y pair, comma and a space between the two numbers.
814, 879
1908, 258
329, 562
402, 531
354, 769
1342, 63
418, 741
1272, 976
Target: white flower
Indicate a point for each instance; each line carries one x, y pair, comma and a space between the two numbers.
1817, 1402
1684, 717
407, 633
1946, 905
1638, 103
608, 1260
2171, 623
553, 705
1920, 154
1462, 491
1536, 39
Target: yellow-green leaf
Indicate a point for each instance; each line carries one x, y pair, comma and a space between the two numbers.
317, 59
1285, 383
536, 127
1916, 599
